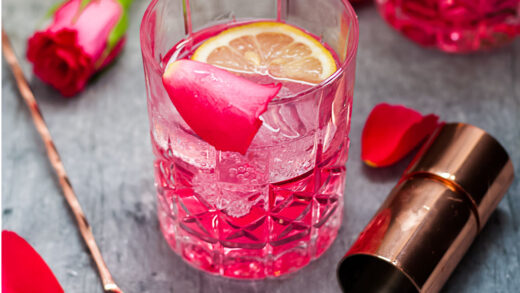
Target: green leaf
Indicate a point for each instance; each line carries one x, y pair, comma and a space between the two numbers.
120, 29
83, 4
53, 9
118, 32
125, 3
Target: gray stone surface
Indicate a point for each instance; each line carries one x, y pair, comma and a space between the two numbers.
102, 135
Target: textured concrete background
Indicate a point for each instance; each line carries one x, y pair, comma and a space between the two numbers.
102, 135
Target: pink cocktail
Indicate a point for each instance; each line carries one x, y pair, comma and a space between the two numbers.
270, 211
455, 26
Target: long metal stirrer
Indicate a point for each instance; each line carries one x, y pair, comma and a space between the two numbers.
86, 231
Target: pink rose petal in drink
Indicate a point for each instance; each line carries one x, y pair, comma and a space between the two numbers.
220, 107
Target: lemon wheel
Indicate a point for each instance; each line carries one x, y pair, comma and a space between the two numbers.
268, 48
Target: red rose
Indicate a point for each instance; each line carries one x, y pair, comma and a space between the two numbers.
81, 39
59, 61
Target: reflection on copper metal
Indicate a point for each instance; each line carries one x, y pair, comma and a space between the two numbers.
478, 164
86, 231
432, 216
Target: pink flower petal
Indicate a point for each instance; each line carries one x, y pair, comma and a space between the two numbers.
220, 107
391, 132
23, 269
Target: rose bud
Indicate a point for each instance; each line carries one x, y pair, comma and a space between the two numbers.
82, 38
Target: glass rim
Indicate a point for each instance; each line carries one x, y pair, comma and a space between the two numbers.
349, 58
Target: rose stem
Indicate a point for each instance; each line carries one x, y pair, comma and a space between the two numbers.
86, 231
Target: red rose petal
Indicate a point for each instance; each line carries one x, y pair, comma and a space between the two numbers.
23, 269
220, 107
391, 132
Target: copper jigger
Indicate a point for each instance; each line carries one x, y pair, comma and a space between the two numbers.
432, 216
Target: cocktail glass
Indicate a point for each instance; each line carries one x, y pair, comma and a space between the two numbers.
454, 26
271, 211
